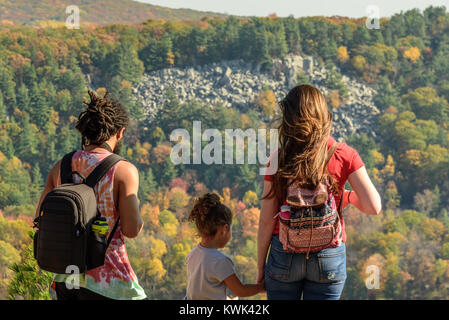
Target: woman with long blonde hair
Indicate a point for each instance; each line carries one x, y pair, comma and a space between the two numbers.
305, 140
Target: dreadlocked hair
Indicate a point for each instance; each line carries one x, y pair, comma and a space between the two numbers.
209, 213
103, 118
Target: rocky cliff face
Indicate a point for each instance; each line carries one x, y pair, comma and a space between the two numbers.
238, 84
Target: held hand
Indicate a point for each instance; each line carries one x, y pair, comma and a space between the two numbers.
262, 287
260, 275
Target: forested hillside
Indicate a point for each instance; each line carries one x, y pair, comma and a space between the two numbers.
42, 84
97, 12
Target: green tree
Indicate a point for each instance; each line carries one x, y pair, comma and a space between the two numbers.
124, 63
2, 109
7, 87
29, 282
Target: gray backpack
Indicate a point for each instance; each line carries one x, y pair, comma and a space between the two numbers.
64, 235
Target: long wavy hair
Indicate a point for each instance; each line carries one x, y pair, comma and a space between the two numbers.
303, 136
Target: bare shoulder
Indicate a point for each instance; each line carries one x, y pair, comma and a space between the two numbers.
125, 171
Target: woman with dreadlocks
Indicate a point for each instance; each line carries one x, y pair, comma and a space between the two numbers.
301, 219
102, 126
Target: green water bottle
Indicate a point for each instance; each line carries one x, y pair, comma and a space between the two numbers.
97, 243
100, 226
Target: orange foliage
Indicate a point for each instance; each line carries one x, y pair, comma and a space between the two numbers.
142, 154
392, 110
17, 61
160, 153
413, 54
249, 220
334, 99
150, 215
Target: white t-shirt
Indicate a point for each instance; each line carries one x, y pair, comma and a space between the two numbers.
206, 270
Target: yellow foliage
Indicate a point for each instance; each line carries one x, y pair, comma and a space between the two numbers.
125, 85
51, 24
178, 198
170, 58
245, 120
433, 228
142, 153
226, 195
170, 229
413, 157
129, 153
267, 102
157, 248
179, 252
150, 215
72, 119
169, 223
375, 175
101, 91
413, 54
14, 164
155, 269
377, 156
246, 266
8, 256
389, 168
434, 155
342, 54
359, 63
2, 157
250, 198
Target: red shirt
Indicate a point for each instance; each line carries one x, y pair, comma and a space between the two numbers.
345, 161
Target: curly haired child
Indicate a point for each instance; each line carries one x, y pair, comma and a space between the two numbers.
210, 273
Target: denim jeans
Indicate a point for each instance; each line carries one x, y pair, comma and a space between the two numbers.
289, 276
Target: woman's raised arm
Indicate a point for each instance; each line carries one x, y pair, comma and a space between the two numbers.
364, 196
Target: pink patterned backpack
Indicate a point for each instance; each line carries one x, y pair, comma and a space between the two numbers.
310, 221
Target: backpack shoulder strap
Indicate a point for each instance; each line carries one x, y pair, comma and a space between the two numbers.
331, 152
66, 168
111, 235
329, 156
102, 169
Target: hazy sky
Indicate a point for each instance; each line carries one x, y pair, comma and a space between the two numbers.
300, 8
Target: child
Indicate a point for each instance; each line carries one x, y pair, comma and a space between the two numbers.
209, 272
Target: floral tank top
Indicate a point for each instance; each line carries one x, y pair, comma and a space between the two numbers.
115, 279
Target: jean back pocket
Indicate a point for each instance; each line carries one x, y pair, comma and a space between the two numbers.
332, 264
279, 262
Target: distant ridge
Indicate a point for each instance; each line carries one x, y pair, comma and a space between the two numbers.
98, 12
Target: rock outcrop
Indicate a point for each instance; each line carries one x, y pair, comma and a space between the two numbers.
238, 84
